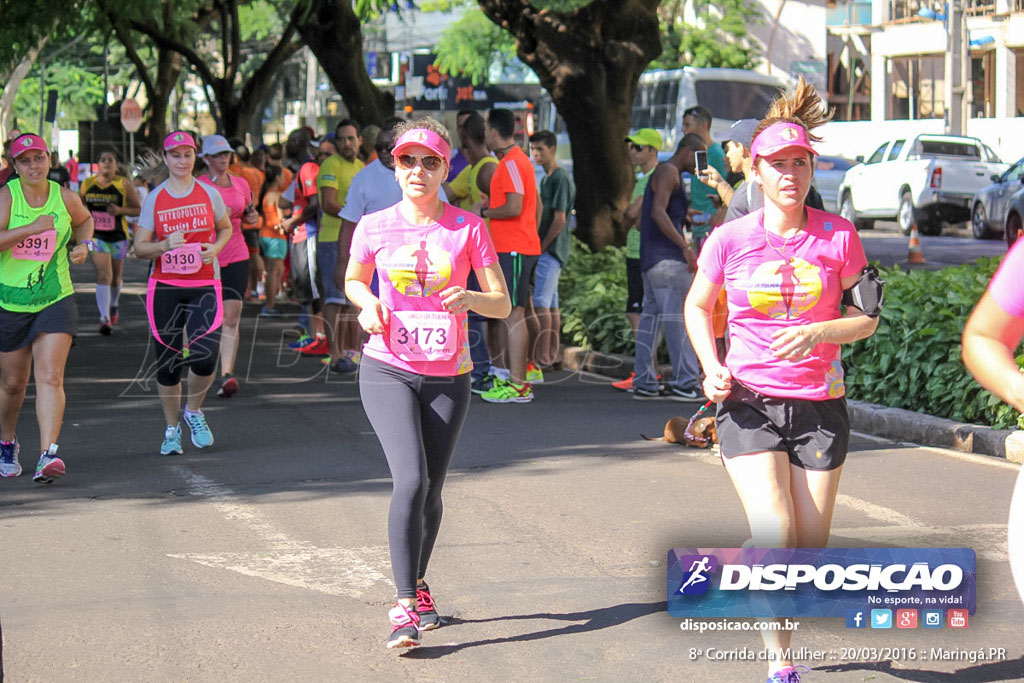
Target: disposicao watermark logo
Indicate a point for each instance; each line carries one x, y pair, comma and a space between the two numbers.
697, 579
826, 582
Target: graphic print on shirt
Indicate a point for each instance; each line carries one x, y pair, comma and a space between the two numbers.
836, 379
784, 289
418, 269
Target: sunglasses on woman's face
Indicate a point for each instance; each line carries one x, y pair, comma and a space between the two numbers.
409, 162
635, 147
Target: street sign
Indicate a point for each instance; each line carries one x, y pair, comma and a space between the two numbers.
131, 115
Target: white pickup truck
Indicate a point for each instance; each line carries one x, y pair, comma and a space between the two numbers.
927, 179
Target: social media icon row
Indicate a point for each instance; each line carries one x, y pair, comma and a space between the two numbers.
906, 618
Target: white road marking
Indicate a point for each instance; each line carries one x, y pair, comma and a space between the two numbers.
878, 513
335, 571
974, 458
987, 540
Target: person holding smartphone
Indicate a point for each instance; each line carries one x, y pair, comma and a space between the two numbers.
667, 264
697, 120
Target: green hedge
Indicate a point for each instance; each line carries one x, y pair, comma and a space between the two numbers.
912, 361
592, 300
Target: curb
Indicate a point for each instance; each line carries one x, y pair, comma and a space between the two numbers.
890, 423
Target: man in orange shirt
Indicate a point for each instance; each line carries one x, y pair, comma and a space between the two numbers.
513, 212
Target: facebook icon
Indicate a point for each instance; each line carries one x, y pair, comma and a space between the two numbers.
856, 619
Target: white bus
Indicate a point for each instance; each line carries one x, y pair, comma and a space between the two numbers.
662, 96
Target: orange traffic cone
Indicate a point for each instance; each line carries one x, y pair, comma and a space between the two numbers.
915, 255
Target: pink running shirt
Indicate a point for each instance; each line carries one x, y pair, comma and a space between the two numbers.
236, 197
414, 264
767, 292
1007, 286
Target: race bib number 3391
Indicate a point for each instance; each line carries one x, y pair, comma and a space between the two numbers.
37, 247
422, 335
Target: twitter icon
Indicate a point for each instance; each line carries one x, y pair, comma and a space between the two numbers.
881, 618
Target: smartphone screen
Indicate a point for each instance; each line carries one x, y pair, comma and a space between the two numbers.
701, 161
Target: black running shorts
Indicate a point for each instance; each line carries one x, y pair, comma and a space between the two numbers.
815, 434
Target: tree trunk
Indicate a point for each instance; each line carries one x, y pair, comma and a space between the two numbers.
589, 60
333, 32
168, 70
13, 82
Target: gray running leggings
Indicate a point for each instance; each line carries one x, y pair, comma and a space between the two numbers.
417, 419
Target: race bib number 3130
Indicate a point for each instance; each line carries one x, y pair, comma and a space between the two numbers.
184, 260
422, 335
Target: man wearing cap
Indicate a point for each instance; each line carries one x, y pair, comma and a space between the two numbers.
737, 160
747, 196
332, 183
643, 155
667, 262
698, 120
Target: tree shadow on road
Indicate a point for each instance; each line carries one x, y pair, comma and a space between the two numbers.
589, 620
1010, 670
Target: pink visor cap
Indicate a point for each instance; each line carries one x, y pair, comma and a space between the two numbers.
780, 136
424, 138
178, 138
26, 143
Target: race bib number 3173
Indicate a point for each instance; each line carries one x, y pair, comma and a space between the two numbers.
422, 335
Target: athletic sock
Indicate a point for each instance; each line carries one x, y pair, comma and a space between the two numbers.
190, 412
115, 295
103, 301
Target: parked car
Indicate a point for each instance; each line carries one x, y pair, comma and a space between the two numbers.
926, 179
828, 176
990, 205
1014, 217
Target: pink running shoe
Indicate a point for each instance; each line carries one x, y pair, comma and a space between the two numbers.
405, 627
429, 618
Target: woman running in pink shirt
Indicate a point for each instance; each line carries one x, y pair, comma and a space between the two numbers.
992, 335
414, 376
782, 421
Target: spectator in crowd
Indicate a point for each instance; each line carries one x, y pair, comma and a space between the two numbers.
667, 262
58, 173
643, 147
368, 146
333, 181
697, 120
557, 196
72, 165
470, 190
459, 160
513, 212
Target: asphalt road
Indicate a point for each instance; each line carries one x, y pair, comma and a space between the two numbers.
264, 557
954, 246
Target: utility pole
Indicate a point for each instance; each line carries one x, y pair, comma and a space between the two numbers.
956, 84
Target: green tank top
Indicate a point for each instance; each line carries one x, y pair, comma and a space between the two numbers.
30, 286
